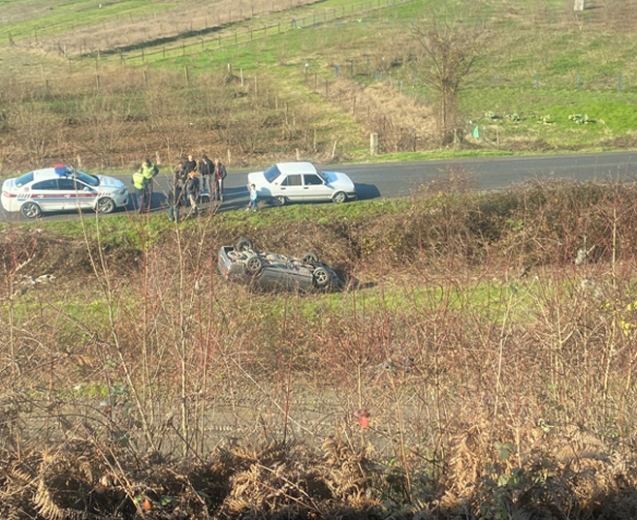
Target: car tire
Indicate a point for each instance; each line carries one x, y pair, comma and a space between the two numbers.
244, 244
279, 201
205, 199
310, 258
105, 205
31, 210
322, 278
339, 197
254, 265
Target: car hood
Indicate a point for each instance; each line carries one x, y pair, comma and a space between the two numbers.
110, 182
339, 180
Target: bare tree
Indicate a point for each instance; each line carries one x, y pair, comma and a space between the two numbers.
448, 53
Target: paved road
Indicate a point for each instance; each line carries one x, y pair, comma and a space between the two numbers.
399, 179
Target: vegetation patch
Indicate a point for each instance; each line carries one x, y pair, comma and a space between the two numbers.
468, 365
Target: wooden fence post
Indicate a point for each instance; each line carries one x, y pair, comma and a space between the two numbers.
373, 144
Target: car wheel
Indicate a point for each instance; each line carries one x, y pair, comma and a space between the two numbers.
321, 277
279, 201
254, 265
310, 258
31, 210
244, 244
339, 197
205, 199
105, 205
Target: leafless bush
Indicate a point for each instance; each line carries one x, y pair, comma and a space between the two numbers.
157, 385
113, 119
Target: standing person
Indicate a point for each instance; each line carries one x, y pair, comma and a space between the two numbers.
176, 195
192, 189
148, 171
190, 165
206, 169
220, 175
139, 183
253, 205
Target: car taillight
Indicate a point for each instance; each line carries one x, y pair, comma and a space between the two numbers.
9, 194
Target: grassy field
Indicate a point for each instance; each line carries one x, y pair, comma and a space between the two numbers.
479, 361
473, 362
322, 77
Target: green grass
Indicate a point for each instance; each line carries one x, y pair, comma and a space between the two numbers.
535, 63
613, 113
51, 18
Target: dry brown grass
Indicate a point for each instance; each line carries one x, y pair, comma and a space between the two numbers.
401, 122
135, 114
491, 391
183, 19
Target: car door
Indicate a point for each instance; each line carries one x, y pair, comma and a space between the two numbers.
76, 194
292, 187
314, 188
48, 195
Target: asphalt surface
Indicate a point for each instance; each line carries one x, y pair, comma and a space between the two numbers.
388, 180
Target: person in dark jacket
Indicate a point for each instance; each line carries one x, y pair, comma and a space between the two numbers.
206, 169
220, 174
190, 165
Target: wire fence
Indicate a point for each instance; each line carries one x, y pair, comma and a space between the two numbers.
211, 38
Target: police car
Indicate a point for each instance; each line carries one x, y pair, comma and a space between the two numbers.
62, 188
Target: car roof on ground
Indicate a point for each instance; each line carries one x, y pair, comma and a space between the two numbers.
296, 167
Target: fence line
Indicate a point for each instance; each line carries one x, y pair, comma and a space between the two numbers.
242, 37
407, 76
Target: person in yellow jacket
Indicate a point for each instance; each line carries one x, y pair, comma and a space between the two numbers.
139, 183
148, 170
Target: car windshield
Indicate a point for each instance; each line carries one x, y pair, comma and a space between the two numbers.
91, 180
24, 179
271, 173
321, 175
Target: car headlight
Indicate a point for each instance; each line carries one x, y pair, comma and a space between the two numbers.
123, 191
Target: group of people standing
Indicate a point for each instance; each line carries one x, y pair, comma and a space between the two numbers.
191, 181
210, 171
188, 187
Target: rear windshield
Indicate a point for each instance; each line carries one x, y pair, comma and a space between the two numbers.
24, 179
271, 173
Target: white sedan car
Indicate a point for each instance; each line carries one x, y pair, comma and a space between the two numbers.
301, 182
62, 188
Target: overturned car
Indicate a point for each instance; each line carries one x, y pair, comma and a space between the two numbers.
242, 263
